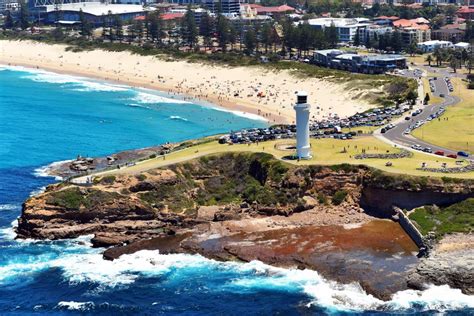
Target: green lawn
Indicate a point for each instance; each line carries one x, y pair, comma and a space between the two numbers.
434, 99
457, 132
455, 218
325, 151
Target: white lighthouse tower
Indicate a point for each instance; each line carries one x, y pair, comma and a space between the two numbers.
303, 147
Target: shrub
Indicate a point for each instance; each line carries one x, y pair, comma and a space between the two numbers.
68, 198
107, 180
339, 197
140, 177
458, 217
322, 199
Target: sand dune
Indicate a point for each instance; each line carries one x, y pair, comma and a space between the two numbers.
234, 88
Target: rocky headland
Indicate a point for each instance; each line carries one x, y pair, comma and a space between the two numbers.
246, 207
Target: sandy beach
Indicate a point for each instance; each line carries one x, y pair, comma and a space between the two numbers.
251, 90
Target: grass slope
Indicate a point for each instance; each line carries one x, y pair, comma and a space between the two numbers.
326, 151
458, 132
458, 217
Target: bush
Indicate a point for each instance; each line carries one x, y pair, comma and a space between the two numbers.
322, 199
458, 217
69, 198
107, 180
339, 197
140, 177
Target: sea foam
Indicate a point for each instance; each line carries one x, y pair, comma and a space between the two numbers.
44, 171
9, 207
150, 98
74, 82
75, 306
87, 265
177, 118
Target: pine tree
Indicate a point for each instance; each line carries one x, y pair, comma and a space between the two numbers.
206, 29
250, 41
232, 36
8, 22
24, 15
267, 36
222, 32
118, 28
289, 36
396, 41
332, 35
155, 27
188, 28
137, 30
86, 28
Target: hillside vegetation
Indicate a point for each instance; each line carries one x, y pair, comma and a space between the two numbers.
458, 217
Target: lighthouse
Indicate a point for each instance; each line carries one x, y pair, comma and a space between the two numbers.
303, 147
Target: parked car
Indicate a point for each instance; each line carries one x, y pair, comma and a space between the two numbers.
454, 156
439, 153
463, 154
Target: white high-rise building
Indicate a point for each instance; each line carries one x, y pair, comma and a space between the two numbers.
303, 146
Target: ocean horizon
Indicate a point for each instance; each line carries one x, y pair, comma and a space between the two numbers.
47, 117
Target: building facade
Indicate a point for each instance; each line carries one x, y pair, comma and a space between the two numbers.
346, 28
226, 6
369, 64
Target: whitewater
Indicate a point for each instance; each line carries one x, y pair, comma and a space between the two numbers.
47, 117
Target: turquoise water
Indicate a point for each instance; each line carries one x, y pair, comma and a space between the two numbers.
46, 117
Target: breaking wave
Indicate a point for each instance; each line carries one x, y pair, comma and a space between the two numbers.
74, 82
9, 207
87, 265
151, 98
44, 171
177, 118
75, 306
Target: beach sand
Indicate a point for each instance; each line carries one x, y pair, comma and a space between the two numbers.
233, 88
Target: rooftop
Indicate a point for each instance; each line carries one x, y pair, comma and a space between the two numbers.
338, 22
325, 52
384, 17
466, 9
98, 8
435, 42
410, 23
346, 56
279, 9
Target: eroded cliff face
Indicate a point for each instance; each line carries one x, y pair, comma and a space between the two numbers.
124, 208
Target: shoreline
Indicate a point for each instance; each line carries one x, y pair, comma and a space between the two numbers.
234, 109
231, 88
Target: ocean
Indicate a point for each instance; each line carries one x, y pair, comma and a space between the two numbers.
47, 117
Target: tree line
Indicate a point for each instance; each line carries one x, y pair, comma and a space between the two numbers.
454, 57
218, 32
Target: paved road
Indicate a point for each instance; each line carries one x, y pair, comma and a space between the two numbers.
396, 134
